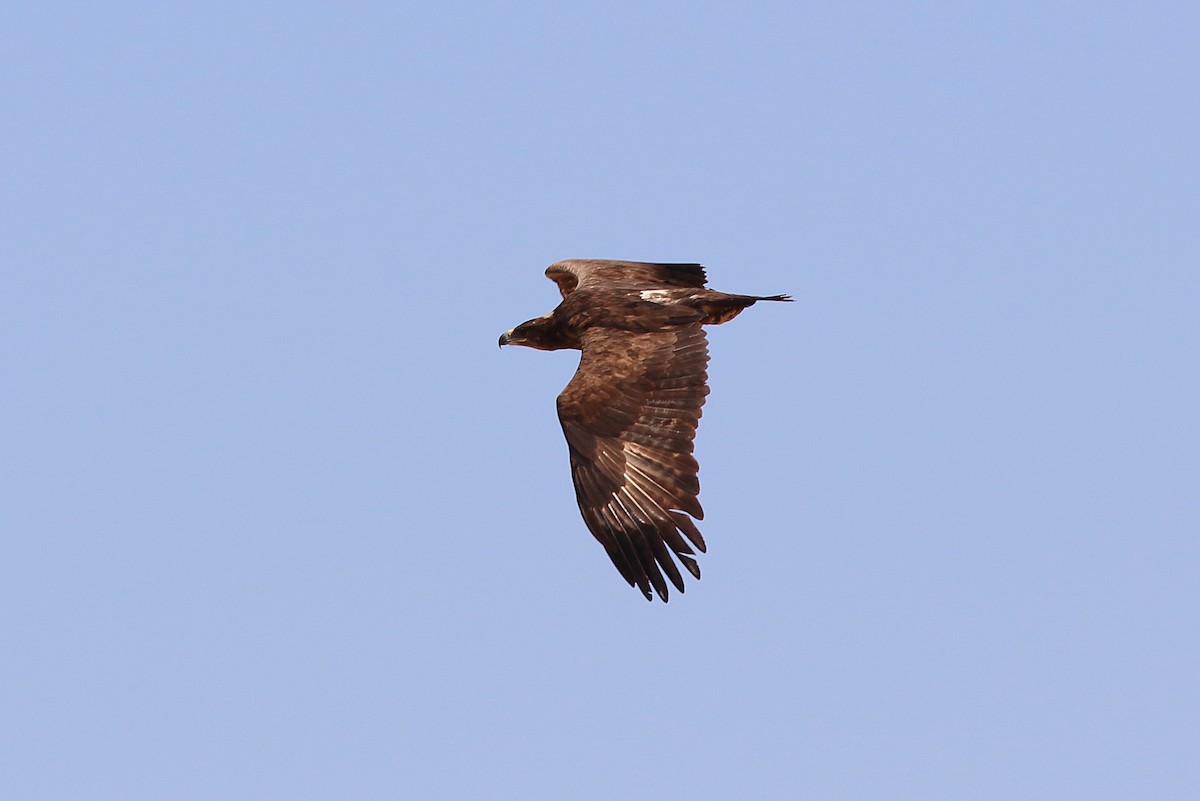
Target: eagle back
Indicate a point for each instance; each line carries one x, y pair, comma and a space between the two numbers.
620, 308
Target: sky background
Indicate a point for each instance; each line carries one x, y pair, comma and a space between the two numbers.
279, 521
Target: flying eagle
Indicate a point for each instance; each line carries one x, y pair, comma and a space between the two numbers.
630, 412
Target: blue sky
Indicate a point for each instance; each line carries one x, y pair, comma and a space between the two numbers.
279, 521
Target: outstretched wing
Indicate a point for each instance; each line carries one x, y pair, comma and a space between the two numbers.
574, 273
629, 416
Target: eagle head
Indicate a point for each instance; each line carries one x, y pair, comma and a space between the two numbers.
543, 333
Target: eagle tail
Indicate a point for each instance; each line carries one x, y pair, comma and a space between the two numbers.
719, 307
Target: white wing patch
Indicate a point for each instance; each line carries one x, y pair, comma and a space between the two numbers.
656, 295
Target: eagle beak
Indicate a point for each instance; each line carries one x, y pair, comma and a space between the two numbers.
504, 338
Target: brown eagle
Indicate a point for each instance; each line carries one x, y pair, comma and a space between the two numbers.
630, 412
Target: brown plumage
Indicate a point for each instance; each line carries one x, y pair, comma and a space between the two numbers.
630, 412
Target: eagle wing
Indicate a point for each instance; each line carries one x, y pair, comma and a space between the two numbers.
574, 273
629, 415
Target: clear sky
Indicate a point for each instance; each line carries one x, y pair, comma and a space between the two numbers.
279, 521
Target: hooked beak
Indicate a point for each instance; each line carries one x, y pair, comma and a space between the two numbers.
504, 338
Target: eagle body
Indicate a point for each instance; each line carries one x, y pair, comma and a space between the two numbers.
630, 412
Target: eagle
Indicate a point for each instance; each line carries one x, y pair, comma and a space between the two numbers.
630, 412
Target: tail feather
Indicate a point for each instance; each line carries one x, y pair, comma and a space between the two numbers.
720, 307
